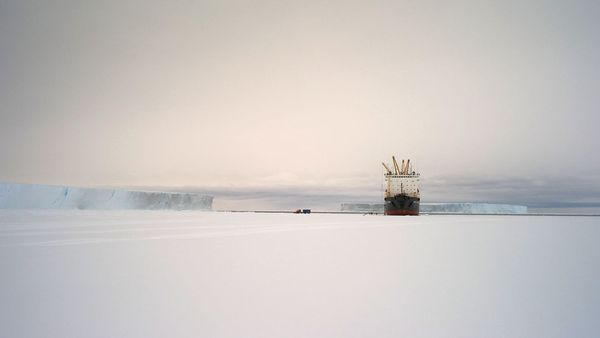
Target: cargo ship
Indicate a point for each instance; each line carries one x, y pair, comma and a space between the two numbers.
401, 195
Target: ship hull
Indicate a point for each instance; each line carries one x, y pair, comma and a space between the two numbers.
401, 205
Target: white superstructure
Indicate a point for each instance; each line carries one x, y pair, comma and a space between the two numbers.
402, 181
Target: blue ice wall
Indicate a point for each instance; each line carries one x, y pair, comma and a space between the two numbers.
31, 196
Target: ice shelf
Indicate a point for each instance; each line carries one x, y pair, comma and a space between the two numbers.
362, 207
32, 196
459, 208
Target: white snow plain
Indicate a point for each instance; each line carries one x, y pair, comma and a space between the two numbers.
72, 273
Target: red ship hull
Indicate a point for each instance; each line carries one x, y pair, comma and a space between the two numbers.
401, 205
402, 212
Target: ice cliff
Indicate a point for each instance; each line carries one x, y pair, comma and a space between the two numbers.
31, 196
362, 207
459, 208
473, 208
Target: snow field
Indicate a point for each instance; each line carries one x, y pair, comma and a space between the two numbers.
72, 273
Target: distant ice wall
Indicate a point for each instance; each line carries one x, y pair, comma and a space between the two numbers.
473, 208
31, 196
459, 208
362, 207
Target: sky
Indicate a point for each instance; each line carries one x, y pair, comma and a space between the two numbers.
492, 101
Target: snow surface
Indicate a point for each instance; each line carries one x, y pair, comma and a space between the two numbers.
82, 273
32, 196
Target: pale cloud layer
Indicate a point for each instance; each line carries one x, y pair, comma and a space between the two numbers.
275, 95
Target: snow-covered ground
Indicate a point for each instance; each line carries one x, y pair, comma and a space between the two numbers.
72, 273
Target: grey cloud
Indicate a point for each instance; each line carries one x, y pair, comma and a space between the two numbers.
211, 93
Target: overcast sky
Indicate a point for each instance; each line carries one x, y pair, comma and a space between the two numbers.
489, 99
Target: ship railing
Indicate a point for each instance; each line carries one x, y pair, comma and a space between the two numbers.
402, 176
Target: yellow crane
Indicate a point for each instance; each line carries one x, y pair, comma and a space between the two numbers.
402, 169
396, 165
389, 172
